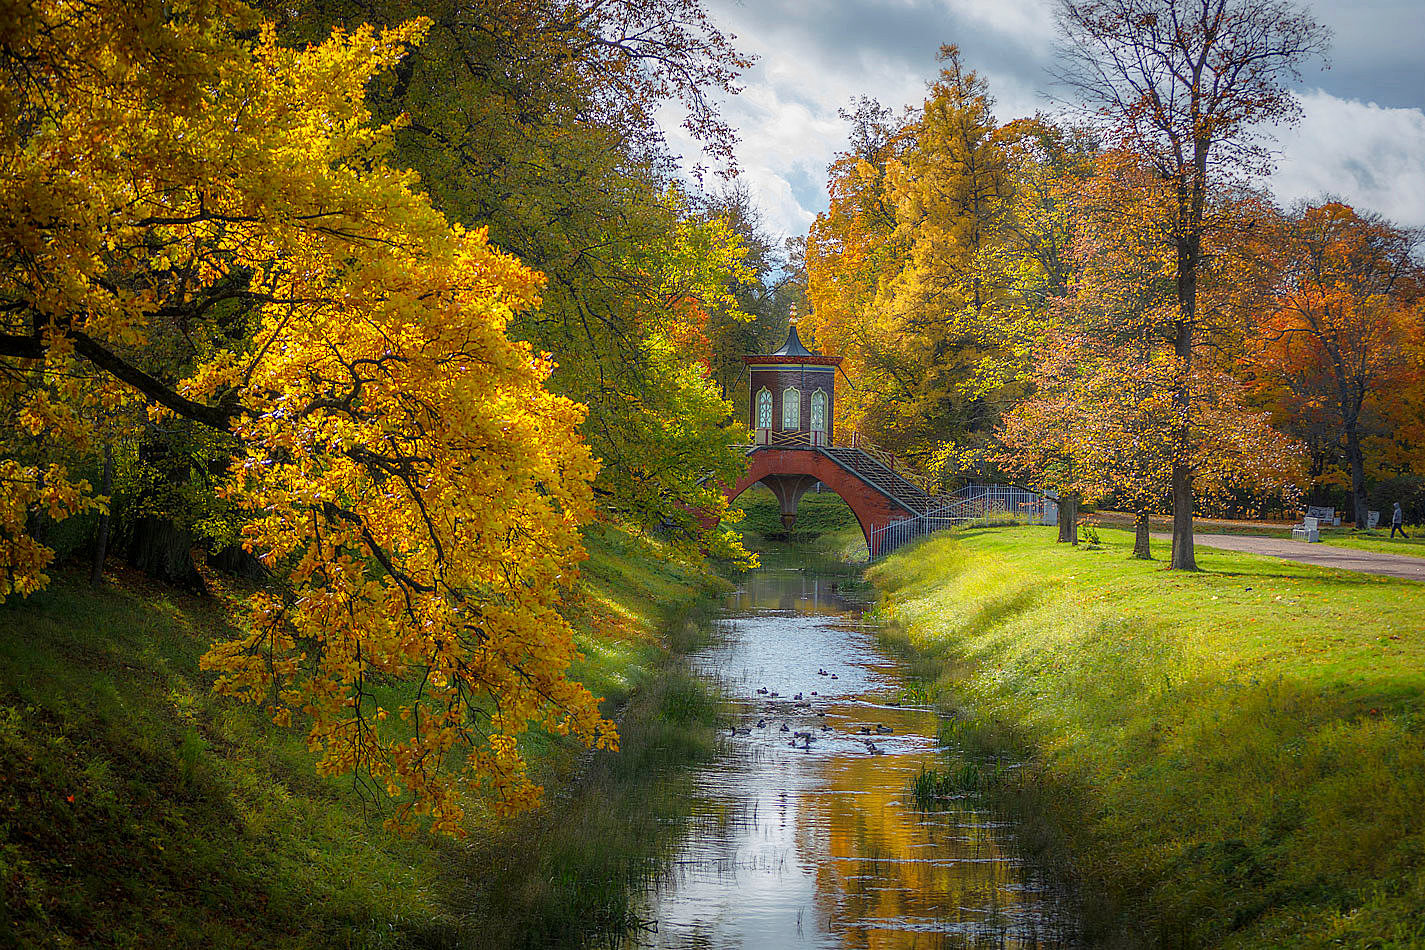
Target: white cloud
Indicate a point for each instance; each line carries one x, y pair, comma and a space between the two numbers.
1031, 22
815, 56
813, 62
1367, 155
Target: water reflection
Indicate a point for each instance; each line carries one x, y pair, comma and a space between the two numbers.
802, 835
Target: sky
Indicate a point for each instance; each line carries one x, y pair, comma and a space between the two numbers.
1362, 137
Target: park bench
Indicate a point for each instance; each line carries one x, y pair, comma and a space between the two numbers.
1323, 515
1306, 531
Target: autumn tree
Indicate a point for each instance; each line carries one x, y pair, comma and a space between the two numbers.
947, 305
1344, 328
1108, 352
852, 248
1188, 86
1043, 438
404, 474
1100, 426
908, 272
1050, 163
1105, 419
538, 119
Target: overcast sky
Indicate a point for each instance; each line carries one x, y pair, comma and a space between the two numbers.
1362, 138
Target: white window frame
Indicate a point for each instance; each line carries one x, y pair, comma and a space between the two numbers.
791, 409
764, 422
818, 410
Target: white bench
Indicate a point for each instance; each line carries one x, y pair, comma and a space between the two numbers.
1323, 515
1306, 531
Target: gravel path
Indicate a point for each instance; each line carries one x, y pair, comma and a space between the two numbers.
1323, 555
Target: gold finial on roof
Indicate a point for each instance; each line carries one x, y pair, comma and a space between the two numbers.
792, 320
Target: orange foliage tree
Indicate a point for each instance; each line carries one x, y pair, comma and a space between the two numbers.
1107, 418
1101, 426
1344, 328
1188, 85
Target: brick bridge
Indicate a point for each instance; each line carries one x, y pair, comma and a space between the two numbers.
791, 411
876, 494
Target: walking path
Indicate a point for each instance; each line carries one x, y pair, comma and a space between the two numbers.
1323, 555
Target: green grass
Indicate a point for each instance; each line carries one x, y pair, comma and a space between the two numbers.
825, 525
136, 809
1230, 758
1378, 540
1372, 540
572, 872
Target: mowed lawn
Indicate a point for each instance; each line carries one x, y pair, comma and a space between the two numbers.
1413, 544
1234, 758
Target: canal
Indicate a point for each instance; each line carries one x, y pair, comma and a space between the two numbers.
805, 831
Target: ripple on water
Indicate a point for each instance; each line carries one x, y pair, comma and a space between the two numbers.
815, 845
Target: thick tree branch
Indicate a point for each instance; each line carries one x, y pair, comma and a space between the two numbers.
219, 417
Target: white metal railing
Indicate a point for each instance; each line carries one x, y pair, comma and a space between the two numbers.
975, 502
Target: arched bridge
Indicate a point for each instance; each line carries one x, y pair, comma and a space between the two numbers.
874, 492
791, 409
890, 508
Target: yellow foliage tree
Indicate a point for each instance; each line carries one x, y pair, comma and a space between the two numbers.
945, 239
412, 486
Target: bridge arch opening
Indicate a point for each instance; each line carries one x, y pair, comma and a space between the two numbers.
790, 473
816, 513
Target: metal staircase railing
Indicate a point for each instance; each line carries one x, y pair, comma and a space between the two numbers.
878, 475
851, 439
974, 502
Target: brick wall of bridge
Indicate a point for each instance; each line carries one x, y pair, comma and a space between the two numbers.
871, 508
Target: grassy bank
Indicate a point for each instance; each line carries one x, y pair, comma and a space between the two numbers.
138, 810
1232, 758
825, 526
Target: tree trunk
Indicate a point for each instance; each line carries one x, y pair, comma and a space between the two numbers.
1184, 557
1141, 549
101, 536
1356, 458
234, 560
163, 550
1189, 258
1068, 518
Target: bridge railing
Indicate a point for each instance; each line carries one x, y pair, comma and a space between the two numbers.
851, 439
796, 437
972, 503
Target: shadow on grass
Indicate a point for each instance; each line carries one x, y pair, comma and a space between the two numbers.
1210, 773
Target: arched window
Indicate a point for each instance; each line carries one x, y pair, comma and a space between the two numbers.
818, 411
791, 409
764, 408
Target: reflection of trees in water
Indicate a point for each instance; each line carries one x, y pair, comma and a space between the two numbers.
805, 592
823, 836
887, 863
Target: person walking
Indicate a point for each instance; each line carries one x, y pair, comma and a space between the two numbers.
1397, 518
